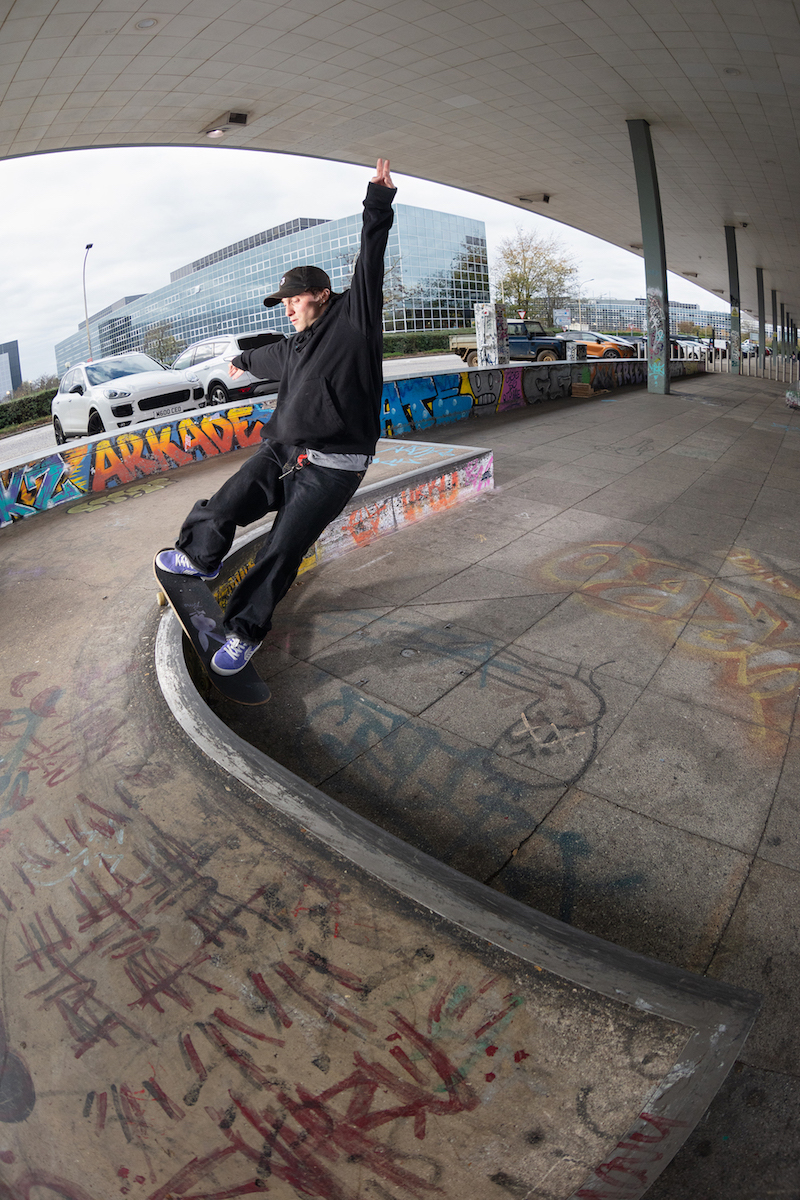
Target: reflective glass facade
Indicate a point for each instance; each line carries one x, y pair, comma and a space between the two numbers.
436, 269
626, 315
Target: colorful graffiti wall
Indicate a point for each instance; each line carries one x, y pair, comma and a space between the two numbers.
81, 471
96, 465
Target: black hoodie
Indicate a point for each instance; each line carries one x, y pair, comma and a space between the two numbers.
331, 374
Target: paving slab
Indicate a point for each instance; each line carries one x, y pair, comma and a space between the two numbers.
758, 947
438, 791
715, 776
602, 866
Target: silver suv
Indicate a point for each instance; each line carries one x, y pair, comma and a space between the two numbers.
209, 361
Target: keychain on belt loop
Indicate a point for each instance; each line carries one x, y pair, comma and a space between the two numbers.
297, 465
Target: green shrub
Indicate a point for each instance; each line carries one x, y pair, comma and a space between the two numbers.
413, 343
27, 408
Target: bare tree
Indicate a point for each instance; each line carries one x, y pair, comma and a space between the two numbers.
533, 273
31, 387
161, 344
394, 290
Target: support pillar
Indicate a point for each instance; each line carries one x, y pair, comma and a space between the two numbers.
735, 356
774, 321
655, 258
782, 339
762, 319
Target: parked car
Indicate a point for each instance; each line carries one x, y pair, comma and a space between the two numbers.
599, 346
749, 348
209, 361
526, 340
110, 393
685, 346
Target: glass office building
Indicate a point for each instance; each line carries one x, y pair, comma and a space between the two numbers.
626, 315
436, 270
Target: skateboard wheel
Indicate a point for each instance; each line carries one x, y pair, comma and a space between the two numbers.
162, 599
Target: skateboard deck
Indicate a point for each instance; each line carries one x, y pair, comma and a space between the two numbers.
201, 619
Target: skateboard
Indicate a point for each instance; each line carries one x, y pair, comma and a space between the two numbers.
201, 618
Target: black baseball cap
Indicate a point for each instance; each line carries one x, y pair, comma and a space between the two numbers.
297, 281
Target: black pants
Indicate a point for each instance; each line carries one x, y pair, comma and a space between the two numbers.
306, 500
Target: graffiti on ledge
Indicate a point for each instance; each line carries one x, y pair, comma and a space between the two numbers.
80, 472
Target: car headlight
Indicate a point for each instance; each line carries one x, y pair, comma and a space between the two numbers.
193, 378
114, 394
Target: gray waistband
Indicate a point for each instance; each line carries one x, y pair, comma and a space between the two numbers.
340, 462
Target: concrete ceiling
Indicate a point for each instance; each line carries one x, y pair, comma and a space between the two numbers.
509, 98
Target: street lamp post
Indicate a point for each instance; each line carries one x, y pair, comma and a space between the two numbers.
580, 309
85, 307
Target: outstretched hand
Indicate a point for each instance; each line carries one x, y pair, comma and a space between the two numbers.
382, 175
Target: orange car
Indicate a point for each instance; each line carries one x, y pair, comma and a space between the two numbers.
598, 346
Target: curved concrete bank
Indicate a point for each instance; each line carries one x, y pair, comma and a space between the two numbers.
218, 982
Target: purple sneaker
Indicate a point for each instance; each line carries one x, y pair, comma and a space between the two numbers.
178, 563
233, 656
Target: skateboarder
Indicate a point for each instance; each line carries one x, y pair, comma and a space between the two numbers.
317, 444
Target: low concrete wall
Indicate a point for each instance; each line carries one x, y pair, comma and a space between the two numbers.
93, 466
410, 405
451, 476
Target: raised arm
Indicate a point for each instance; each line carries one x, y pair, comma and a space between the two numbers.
366, 288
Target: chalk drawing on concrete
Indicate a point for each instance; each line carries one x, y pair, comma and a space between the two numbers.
753, 646
120, 495
196, 1002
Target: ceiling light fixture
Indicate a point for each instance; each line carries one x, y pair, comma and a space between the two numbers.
543, 199
731, 71
690, 274
223, 125
146, 23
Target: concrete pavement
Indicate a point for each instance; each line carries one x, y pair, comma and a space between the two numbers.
582, 690
208, 989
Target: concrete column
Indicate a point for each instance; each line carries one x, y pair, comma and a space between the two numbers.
762, 320
735, 357
655, 258
781, 338
774, 318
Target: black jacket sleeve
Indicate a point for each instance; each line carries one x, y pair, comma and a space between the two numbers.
366, 288
266, 362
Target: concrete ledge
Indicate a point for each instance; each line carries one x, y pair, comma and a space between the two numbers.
438, 478
628, 1052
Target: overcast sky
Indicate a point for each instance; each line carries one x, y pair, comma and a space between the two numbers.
149, 210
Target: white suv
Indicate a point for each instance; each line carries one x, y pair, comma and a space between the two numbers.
209, 361
112, 393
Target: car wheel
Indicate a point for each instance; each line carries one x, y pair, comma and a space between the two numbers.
95, 424
472, 358
547, 356
60, 436
217, 394
611, 354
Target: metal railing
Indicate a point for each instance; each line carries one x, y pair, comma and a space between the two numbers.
784, 368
